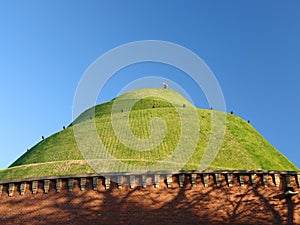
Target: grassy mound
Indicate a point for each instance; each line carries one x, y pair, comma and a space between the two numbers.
243, 148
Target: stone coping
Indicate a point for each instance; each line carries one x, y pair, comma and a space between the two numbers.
113, 174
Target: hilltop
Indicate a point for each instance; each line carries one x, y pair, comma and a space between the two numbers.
243, 148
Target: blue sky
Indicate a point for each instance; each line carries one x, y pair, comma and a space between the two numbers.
45, 47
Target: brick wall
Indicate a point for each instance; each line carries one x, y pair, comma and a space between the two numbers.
168, 203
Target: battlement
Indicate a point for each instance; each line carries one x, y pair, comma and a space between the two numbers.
170, 178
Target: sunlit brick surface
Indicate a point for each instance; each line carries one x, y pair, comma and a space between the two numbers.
174, 205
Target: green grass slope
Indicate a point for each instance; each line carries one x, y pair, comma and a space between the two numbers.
243, 148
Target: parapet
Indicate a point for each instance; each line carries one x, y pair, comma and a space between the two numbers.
214, 178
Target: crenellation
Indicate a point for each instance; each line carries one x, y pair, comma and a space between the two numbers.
82, 183
253, 179
34, 187
70, 184
169, 181
242, 179
132, 181
23, 188
229, 179
95, 183
218, 179
46, 186
135, 180
194, 179
277, 179
265, 180
120, 181
107, 182
181, 180
11, 189
58, 185
205, 179
156, 180
144, 181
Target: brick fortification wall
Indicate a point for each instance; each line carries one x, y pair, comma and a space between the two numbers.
181, 199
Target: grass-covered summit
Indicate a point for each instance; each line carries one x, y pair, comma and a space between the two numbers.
243, 148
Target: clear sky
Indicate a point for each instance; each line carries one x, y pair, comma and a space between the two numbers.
253, 48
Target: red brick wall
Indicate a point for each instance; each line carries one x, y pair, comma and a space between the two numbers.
163, 205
